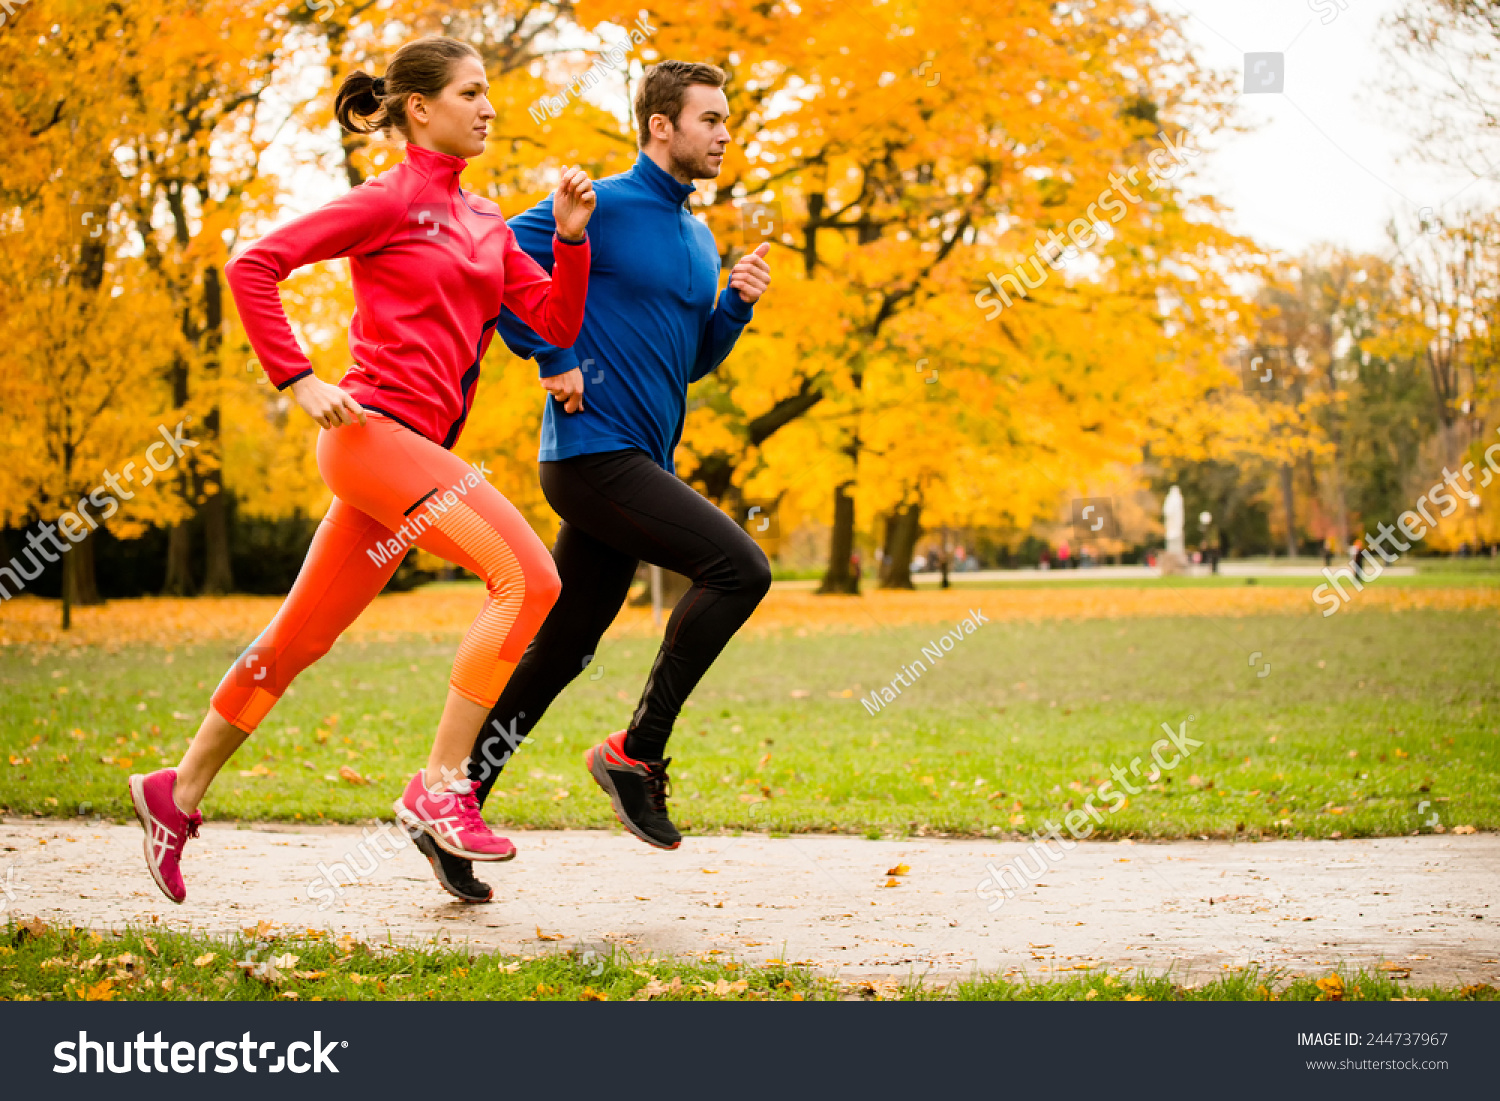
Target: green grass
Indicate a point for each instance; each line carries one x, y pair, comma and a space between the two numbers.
142, 964
1362, 717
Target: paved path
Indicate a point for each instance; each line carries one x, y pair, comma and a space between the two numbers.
1430, 903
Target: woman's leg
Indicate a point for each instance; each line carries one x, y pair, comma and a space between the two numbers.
440, 503
337, 580
344, 570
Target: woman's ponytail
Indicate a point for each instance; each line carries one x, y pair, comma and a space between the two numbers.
358, 105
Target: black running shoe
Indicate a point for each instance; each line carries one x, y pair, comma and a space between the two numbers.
637, 789
454, 872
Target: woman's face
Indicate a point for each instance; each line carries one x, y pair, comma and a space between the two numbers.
457, 120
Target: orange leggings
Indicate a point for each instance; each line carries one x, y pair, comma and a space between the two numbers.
394, 489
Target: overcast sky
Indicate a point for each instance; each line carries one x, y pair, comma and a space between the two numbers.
1326, 160
1329, 158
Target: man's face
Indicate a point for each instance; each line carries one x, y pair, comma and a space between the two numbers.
696, 147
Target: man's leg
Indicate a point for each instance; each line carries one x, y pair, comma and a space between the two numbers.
626, 501
595, 580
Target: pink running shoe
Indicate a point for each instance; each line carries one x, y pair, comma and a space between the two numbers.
451, 818
167, 829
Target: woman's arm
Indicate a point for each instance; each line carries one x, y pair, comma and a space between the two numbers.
356, 222
553, 306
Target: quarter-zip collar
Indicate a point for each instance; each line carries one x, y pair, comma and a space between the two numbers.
443, 169
435, 165
661, 183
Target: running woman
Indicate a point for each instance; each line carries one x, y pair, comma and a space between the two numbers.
432, 266
654, 324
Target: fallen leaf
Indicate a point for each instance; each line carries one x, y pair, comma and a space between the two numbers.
547, 936
347, 773
205, 959
899, 869
1463, 829
101, 991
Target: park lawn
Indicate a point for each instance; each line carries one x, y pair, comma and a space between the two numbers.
40, 963
1367, 723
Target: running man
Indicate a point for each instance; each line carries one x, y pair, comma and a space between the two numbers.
654, 324
432, 266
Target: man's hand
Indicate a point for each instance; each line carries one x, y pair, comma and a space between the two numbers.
573, 203
567, 388
326, 403
752, 275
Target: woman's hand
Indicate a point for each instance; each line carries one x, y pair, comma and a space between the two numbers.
567, 388
326, 403
573, 203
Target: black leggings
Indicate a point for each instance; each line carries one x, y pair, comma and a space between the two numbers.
619, 507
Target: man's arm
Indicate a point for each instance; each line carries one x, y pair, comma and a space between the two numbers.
729, 319
533, 230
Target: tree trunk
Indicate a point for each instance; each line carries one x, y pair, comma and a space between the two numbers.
217, 576
1291, 510
179, 579
840, 576
80, 584
902, 530
674, 587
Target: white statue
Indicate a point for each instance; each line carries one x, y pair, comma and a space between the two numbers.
1171, 517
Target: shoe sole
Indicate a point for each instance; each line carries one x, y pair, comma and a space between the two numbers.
595, 762
143, 815
407, 818
442, 876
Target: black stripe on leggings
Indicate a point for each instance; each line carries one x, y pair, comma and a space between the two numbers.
418, 505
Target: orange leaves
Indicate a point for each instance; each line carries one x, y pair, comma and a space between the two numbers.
1331, 989
170, 622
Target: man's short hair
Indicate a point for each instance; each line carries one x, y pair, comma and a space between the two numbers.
664, 87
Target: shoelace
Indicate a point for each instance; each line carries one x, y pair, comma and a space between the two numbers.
468, 812
190, 831
658, 785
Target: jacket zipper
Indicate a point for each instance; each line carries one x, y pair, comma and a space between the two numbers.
452, 192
